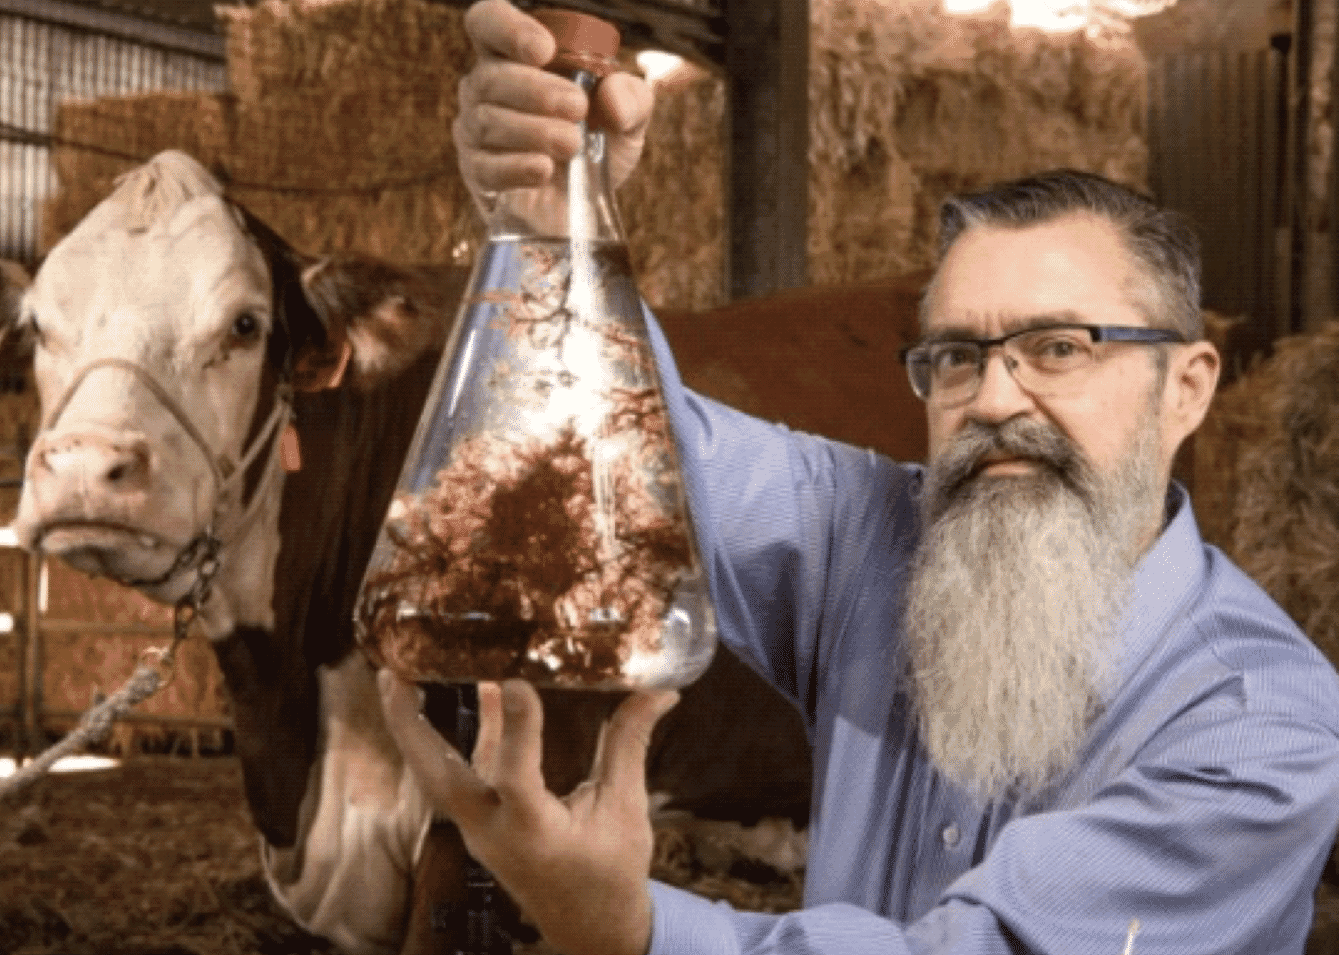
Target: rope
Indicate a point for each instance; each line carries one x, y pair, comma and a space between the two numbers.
96, 724
149, 677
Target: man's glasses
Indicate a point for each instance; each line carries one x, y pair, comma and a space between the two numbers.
1046, 362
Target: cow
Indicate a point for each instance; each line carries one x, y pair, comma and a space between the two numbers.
224, 420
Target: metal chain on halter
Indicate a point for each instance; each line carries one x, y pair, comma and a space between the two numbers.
154, 672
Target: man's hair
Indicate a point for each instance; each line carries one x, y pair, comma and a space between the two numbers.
1160, 240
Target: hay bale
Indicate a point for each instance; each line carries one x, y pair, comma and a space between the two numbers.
277, 46
337, 132
906, 105
1233, 424
99, 140
1286, 528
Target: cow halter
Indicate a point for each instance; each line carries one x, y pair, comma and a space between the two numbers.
200, 553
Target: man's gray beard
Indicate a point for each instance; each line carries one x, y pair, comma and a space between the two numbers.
1014, 599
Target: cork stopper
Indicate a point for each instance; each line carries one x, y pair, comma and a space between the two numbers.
585, 42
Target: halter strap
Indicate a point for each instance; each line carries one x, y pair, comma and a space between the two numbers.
204, 547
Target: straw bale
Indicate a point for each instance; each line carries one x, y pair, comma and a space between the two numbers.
673, 207
98, 140
277, 46
1232, 424
337, 131
906, 105
339, 134
1286, 529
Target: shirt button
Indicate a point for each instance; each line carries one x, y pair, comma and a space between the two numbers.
950, 835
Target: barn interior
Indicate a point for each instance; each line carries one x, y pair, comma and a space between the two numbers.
798, 152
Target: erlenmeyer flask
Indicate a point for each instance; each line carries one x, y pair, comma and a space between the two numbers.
540, 527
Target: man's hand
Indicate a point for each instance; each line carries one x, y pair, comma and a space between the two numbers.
577, 866
515, 120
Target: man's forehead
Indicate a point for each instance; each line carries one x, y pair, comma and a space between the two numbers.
997, 279
970, 325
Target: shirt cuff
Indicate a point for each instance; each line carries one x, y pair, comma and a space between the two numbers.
686, 924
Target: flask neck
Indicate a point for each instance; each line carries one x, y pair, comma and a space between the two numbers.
579, 204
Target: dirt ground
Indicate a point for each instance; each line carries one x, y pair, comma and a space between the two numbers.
158, 857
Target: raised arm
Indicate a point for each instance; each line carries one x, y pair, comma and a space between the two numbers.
516, 120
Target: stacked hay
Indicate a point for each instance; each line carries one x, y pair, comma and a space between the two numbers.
906, 105
337, 132
1284, 420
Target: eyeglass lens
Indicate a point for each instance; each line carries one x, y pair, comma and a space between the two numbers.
1044, 361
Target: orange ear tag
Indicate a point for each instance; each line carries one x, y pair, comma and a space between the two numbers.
290, 451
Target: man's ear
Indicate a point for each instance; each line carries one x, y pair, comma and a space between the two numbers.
1192, 379
378, 318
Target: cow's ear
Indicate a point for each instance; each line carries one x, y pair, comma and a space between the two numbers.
16, 341
379, 318
14, 279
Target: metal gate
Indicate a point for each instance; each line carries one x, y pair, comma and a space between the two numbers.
43, 62
1217, 130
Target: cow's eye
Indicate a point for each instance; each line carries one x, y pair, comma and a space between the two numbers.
246, 327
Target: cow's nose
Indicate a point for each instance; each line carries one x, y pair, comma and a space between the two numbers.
117, 464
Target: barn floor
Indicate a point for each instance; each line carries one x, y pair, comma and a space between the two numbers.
157, 857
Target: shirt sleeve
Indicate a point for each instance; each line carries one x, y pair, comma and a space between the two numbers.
1212, 841
766, 504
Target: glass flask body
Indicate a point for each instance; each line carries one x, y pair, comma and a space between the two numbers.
540, 527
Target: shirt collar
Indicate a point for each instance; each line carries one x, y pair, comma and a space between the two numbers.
1164, 581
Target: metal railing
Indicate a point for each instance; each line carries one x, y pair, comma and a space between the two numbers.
43, 63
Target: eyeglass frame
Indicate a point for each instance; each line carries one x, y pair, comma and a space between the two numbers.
1136, 334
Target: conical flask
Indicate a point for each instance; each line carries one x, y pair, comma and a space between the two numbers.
540, 527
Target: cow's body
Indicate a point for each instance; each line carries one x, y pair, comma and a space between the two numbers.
170, 330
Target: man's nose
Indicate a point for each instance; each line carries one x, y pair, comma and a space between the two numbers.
1000, 396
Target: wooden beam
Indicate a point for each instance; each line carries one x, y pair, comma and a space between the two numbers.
1299, 139
767, 145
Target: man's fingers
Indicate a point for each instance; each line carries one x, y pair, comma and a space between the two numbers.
496, 28
621, 762
521, 748
623, 103
489, 736
529, 90
453, 788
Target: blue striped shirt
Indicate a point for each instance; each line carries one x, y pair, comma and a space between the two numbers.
1203, 805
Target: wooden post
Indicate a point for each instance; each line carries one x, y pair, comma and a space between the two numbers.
33, 740
767, 139
1299, 139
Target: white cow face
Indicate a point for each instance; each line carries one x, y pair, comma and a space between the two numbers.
149, 322
168, 328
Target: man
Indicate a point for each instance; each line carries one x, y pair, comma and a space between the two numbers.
1045, 716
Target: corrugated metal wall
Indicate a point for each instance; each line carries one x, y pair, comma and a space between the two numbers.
1217, 128
43, 63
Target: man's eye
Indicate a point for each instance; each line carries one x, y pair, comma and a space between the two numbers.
1057, 348
951, 357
